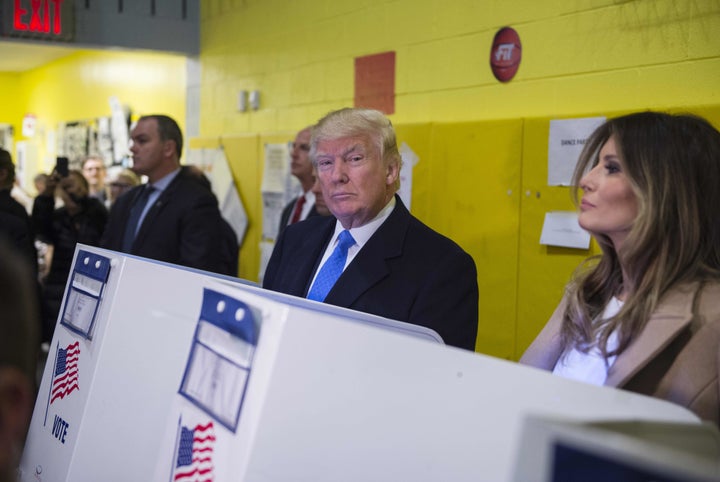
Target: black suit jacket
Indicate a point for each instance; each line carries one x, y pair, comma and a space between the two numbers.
406, 271
287, 212
182, 227
15, 224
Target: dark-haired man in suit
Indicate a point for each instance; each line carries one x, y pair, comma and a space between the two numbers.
172, 218
390, 263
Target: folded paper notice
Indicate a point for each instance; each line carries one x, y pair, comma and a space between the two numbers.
561, 228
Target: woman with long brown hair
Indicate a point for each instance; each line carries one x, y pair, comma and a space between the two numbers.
645, 314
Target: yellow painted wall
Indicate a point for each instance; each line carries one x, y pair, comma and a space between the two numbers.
579, 56
12, 101
78, 87
482, 145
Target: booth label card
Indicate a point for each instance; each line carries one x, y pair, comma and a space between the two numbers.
221, 355
87, 282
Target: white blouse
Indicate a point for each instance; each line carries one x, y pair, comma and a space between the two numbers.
590, 367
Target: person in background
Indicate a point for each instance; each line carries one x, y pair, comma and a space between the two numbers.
121, 182
373, 255
93, 168
40, 180
172, 218
19, 342
230, 248
14, 220
645, 314
22, 196
44, 250
303, 206
320, 204
81, 219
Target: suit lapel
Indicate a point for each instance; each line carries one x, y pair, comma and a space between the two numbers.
672, 316
132, 199
313, 212
154, 211
309, 255
370, 265
121, 211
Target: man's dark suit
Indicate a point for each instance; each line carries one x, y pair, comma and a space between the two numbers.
287, 212
16, 226
182, 227
405, 271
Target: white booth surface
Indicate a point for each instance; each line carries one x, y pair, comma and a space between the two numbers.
158, 372
557, 450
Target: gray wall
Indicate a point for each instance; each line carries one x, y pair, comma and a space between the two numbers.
163, 25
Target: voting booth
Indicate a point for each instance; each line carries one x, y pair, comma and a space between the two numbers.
158, 372
557, 450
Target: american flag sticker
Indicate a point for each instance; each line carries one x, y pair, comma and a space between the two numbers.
65, 378
65, 374
195, 453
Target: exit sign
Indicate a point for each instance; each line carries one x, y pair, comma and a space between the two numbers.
38, 19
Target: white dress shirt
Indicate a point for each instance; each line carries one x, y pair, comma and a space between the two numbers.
590, 367
361, 235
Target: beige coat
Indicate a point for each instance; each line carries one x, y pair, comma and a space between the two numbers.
676, 357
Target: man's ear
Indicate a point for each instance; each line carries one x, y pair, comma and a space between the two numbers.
169, 148
393, 172
16, 403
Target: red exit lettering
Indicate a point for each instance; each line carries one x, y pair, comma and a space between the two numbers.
41, 13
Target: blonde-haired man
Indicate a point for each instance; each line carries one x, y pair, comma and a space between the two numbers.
373, 256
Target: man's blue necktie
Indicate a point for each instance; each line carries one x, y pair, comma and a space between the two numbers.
132, 224
332, 269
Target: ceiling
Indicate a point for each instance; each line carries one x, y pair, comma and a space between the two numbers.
19, 57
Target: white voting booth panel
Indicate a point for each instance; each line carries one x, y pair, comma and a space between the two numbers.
288, 389
559, 450
103, 402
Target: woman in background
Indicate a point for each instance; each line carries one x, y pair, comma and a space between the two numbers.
645, 314
121, 182
81, 219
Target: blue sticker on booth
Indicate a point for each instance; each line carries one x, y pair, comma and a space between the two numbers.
85, 287
220, 361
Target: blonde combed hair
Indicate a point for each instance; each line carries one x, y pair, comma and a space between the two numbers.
355, 122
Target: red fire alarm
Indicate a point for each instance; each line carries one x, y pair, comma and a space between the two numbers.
505, 54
